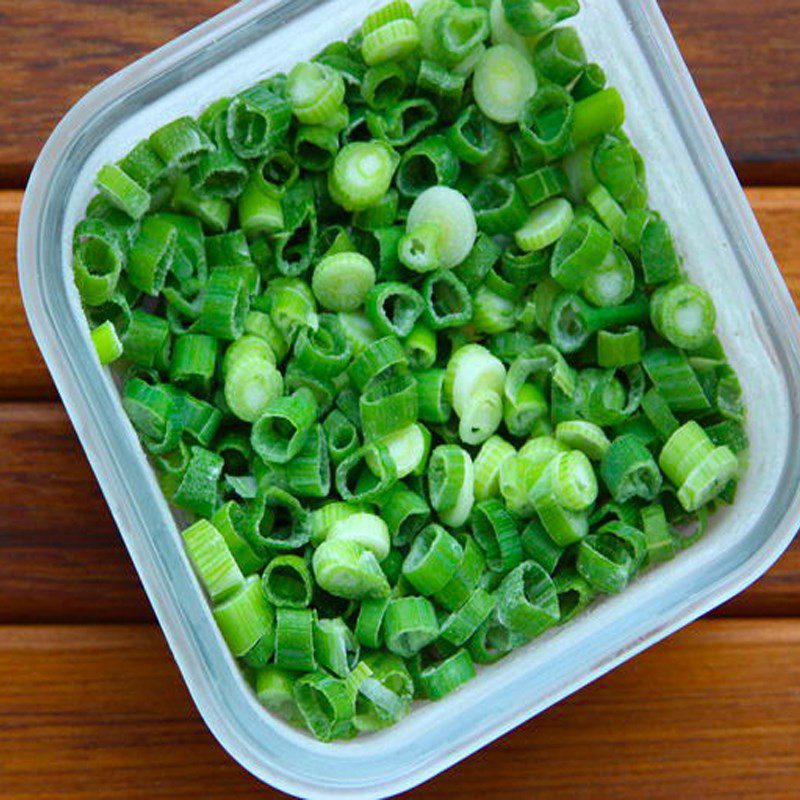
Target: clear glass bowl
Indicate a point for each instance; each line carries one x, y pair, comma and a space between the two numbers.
691, 183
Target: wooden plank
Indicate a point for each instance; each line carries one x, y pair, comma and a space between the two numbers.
743, 56
23, 375
711, 713
60, 550
61, 557
22, 370
733, 49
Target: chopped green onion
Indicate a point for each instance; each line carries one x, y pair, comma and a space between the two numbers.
503, 81
409, 625
441, 679
345, 568
361, 174
341, 281
532, 17
287, 582
683, 314
527, 604
629, 471
245, 617
452, 214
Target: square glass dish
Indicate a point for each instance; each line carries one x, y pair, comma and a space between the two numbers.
691, 183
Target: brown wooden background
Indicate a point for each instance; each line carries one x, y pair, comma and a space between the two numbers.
91, 704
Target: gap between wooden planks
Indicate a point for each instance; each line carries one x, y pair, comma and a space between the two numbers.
714, 712
56, 532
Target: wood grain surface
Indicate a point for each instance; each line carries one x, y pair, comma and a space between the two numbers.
91, 702
743, 56
712, 713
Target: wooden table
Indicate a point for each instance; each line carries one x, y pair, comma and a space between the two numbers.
91, 704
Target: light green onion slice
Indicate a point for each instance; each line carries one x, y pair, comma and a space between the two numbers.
345, 568
584, 436
409, 625
335, 646
699, 469
502, 83
367, 530
361, 174
408, 448
450, 212
388, 405
212, 560
389, 33
472, 369
106, 343
287, 582
245, 617
547, 223
493, 453
316, 91
441, 679
683, 314
326, 705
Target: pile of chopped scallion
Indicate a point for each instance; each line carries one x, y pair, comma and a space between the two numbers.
401, 333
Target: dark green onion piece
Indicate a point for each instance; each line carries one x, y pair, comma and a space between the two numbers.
342, 436
499, 205
581, 251
225, 305
527, 603
428, 163
376, 359
281, 432
447, 301
675, 380
629, 470
258, 119
432, 560
533, 17
181, 143
608, 559
357, 482
404, 122
393, 308
472, 137
546, 124
559, 56
573, 321
496, 533
592, 80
